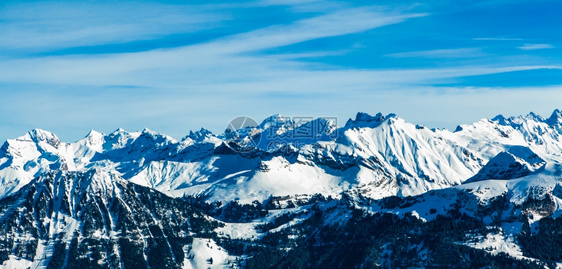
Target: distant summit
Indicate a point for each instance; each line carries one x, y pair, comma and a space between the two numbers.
144, 199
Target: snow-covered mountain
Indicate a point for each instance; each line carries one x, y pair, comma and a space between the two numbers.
378, 155
215, 200
96, 219
516, 162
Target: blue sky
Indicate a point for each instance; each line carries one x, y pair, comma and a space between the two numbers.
175, 66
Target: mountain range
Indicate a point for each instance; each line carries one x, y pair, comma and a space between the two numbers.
281, 193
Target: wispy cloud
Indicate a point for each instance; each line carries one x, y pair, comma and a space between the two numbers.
288, 2
536, 47
337, 23
441, 53
196, 63
305, 5
229, 59
497, 39
48, 25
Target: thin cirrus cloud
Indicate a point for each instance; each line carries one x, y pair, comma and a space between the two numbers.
304, 5
441, 53
333, 24
251, 58
536, 47
189, 64
497, 39
52, 25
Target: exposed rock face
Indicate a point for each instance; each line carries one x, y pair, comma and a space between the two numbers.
515, 163
95, 219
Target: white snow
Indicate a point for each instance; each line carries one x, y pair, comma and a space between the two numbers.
372, 156
386, 155
238, 230
495, 243
202, 251
15, 262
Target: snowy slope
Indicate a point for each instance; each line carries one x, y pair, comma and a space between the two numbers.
517, 162
377, 156
418, 159
112, 195
538, 194
489, 137
74, 219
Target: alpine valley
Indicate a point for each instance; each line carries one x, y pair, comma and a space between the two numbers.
378, 192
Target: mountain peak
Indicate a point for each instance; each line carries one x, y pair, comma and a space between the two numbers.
118, 131
533, 116
95, 138
147, 131
39, 135
516, 162
199, 136
276, 120
158, 138
363, 119
555, 118
500, 119
362, 116
94, 133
